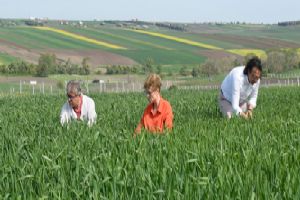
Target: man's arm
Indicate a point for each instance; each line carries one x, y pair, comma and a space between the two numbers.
235, 99
253, 98
92, 115
64, 116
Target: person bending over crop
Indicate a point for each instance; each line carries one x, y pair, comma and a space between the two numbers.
158, 114
79, 106
239, 90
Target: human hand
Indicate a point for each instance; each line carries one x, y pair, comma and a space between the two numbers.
249, 114
244, 115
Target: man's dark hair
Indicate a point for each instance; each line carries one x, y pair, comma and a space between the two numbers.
253, 62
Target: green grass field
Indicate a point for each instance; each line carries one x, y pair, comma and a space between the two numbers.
205, 157
140, 47
202, 39
38, 39
283, 33
6, 59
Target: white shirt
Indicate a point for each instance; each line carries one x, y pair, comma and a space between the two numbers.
88, 112
237, 89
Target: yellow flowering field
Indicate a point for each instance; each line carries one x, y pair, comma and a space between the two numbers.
177, 39
80, 37
244, 52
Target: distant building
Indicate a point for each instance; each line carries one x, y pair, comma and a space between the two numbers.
34, 22
63, 22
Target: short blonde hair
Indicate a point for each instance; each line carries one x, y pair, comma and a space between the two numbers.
153, 81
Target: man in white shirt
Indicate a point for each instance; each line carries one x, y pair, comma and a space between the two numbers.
79, 106
239, 89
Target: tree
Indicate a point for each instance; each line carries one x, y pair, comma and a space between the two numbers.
148, 66
23, 67
236, 62
291, 59
209, 68
46, 65
196, 71
61, 67
184, 71
275, 61
85, 66
158, 69
12, 68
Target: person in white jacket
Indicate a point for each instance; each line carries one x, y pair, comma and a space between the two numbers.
78, 107
239, 90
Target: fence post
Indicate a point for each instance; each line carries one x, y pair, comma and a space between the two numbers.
20, 87
132, 86
87, 87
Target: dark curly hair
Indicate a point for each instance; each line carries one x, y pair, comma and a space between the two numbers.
253, 62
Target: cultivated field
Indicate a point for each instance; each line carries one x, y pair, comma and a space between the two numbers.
205, 157
112, 45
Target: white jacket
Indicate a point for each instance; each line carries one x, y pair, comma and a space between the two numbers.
88, 112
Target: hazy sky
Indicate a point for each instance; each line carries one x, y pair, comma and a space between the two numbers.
266, 11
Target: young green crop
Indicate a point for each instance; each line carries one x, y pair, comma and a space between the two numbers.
205, 157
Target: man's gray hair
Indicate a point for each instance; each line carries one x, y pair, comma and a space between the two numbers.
74, 87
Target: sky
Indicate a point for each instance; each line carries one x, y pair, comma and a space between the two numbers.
188, 11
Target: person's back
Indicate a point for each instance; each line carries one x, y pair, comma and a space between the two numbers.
235, 73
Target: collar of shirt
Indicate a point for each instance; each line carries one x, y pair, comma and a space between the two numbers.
78, 110
160, 107
246, 81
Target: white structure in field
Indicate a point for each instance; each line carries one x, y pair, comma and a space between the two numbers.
32, 82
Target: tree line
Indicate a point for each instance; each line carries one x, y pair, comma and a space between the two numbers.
289, 23
47, 64
276, 61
